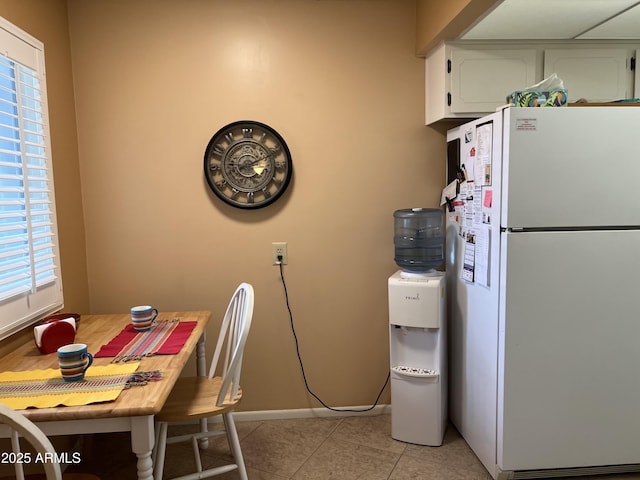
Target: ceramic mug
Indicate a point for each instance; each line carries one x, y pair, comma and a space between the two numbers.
74, 359
142, 317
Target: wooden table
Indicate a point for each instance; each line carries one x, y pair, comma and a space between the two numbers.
134, 409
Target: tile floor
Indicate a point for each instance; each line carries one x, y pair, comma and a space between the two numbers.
346, 448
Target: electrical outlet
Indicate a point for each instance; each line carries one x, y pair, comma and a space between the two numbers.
279, 249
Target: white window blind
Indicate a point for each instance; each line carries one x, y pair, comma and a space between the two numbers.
30, 281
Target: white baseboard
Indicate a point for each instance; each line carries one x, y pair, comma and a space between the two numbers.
263, 415
259, 415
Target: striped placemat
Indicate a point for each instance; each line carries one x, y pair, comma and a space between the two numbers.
165, 337
46, 388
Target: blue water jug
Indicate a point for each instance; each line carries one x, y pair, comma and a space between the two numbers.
418, 239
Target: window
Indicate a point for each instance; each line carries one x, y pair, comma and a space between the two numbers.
30, 280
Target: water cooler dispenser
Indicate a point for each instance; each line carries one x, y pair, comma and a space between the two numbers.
417, 329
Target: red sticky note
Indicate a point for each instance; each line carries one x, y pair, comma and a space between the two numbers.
488, 195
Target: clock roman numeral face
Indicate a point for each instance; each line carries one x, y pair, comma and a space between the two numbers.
247, 164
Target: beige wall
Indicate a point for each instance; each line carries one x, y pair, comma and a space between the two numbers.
438, 21
154, 79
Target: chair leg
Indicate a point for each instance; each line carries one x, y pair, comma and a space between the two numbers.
15, 444
161, 445
204, 442
196, 453
234, 444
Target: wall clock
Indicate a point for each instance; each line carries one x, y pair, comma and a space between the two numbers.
247, 164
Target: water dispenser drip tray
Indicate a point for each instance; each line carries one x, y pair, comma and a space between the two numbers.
415, 372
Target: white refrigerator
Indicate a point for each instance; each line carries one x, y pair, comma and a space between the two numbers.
543, 289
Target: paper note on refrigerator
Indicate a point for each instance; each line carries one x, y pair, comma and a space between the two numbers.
469, 262
487, 197
482, 165
482, 249
450, 192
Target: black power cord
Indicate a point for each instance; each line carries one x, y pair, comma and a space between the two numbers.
304, 375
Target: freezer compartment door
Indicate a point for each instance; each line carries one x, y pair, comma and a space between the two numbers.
569, 350
570, 167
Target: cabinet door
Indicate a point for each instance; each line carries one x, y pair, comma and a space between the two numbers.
597, 75
482, 79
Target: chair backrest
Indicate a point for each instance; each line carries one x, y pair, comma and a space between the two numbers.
234, 331
19, 425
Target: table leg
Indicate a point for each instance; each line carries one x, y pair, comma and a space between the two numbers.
202, 371
142, 440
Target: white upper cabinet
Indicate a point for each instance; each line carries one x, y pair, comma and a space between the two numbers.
636, 86
482, 79
471, 80
596, 75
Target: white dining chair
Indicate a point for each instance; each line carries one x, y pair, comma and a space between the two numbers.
200, 397
21, 426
